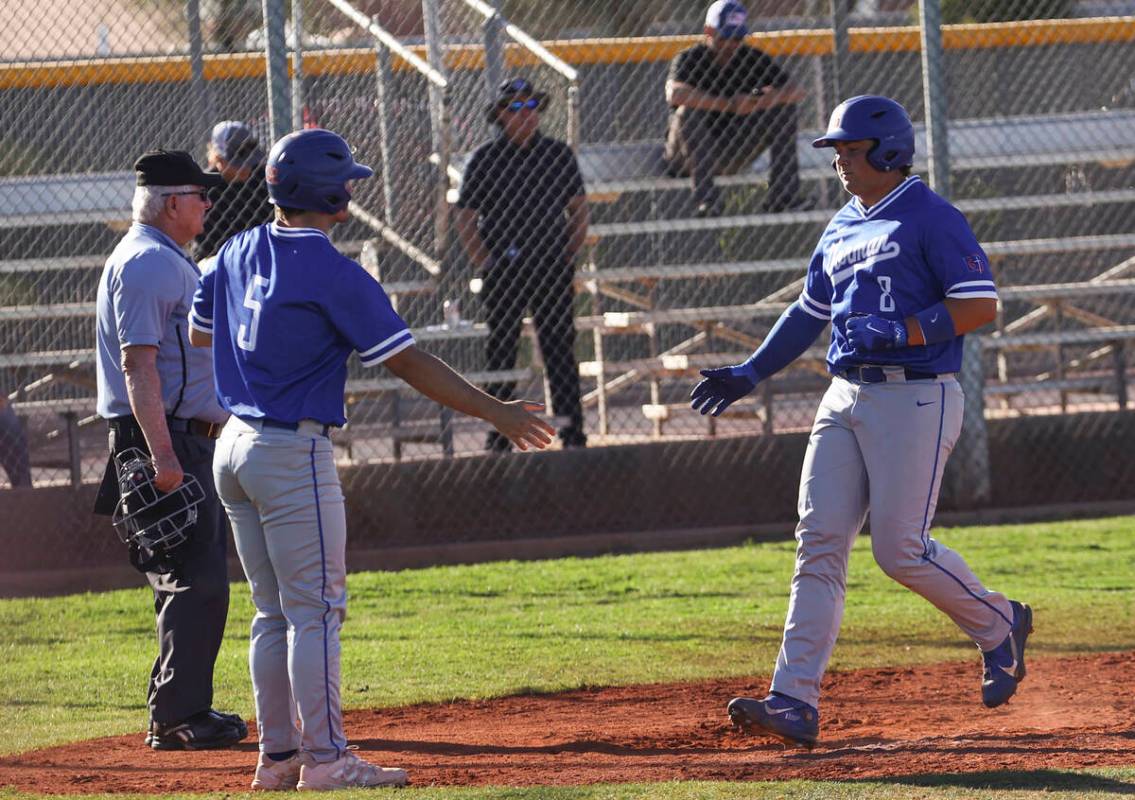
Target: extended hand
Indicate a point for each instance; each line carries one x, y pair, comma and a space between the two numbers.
517, 420
870, 332
720, 388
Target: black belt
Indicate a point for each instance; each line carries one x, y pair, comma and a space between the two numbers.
288, 426
879, 374
197, 427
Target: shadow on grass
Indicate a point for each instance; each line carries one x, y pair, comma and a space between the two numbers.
1047, 780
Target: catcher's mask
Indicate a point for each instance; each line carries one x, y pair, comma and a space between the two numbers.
147, 518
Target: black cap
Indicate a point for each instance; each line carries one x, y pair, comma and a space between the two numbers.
508, 90
172, 168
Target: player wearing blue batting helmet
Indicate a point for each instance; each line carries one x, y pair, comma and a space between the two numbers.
311, 170
870, 116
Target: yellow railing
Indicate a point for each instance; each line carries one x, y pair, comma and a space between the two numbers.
176, 69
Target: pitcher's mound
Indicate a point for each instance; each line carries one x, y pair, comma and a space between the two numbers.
1069, 713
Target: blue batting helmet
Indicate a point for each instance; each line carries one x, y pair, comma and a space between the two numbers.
311, 170
870, 116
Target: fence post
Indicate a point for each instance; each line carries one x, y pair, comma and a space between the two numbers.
201, 106
970, 472
385, 80
439, 129
298, 97
494, 52
276, 51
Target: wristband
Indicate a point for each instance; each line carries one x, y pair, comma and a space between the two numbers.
936, 323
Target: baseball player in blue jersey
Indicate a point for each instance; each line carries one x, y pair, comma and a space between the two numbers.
901, 278
284, 310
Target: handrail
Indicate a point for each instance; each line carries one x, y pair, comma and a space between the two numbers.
392, 43
430, 265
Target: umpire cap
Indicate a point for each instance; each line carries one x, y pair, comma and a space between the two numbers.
172, 168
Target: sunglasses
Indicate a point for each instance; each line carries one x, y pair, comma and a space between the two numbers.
202, 194
531, 103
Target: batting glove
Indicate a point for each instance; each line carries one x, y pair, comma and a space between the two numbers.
871, 332
721, 388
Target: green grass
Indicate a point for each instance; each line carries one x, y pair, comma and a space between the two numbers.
76, 667
1046, 784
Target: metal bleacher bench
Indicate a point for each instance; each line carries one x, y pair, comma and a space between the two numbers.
612, 169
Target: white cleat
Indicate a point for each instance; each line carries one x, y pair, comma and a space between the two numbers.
274, 776
347, 772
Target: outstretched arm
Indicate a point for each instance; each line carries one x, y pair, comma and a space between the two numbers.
438, 381
792, 334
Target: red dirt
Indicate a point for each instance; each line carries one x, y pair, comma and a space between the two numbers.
1070, 713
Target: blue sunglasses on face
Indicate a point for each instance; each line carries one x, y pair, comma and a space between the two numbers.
531, 103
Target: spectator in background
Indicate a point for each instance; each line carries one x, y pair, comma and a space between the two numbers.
522, 216
14, 446
729, 102
241, 202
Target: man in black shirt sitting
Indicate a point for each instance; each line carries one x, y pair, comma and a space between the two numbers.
729, 102
242, 201
522, 216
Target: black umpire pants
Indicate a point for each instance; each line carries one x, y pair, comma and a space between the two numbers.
544, 285
702, 144
191, 603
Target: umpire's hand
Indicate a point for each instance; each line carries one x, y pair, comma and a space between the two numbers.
721, 388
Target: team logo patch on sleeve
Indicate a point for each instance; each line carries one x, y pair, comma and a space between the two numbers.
975, 263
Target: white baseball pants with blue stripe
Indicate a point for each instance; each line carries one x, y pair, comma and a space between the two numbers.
282, 494
878, 448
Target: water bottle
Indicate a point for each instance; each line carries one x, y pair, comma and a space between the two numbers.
451, 313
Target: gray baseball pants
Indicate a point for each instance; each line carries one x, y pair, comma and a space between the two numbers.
281, 491
878, 448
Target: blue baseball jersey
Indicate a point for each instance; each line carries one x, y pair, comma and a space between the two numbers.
906, 253
285, 310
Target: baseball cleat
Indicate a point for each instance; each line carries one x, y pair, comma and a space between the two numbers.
347, 772
793, 722
209, 730
1005, 664
272, 776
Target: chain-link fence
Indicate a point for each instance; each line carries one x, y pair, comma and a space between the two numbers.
636, 244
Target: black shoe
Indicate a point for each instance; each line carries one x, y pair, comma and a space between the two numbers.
798, 203
209, 730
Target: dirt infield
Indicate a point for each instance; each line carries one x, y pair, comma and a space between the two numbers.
1069, 713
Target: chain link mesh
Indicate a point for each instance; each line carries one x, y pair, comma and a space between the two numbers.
670, 277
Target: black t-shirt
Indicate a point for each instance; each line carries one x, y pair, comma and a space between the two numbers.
749, 71
521, 195
236, 207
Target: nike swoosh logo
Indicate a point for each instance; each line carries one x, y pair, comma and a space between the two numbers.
934, 319
876, 330
920, 404
777, 711
1011, 670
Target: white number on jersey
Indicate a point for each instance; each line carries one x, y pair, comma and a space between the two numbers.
246, 334
886, 301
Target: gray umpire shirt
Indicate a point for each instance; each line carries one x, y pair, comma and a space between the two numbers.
145, 294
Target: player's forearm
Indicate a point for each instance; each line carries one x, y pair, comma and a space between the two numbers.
439, 382
966, 314
143, 387
792, 334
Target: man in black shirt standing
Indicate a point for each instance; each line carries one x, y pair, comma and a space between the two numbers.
522, 216
242, 201
729, 102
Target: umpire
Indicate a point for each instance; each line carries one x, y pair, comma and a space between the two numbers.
522, 217
157, 394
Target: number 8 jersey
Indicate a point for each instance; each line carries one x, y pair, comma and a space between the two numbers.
904, 254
